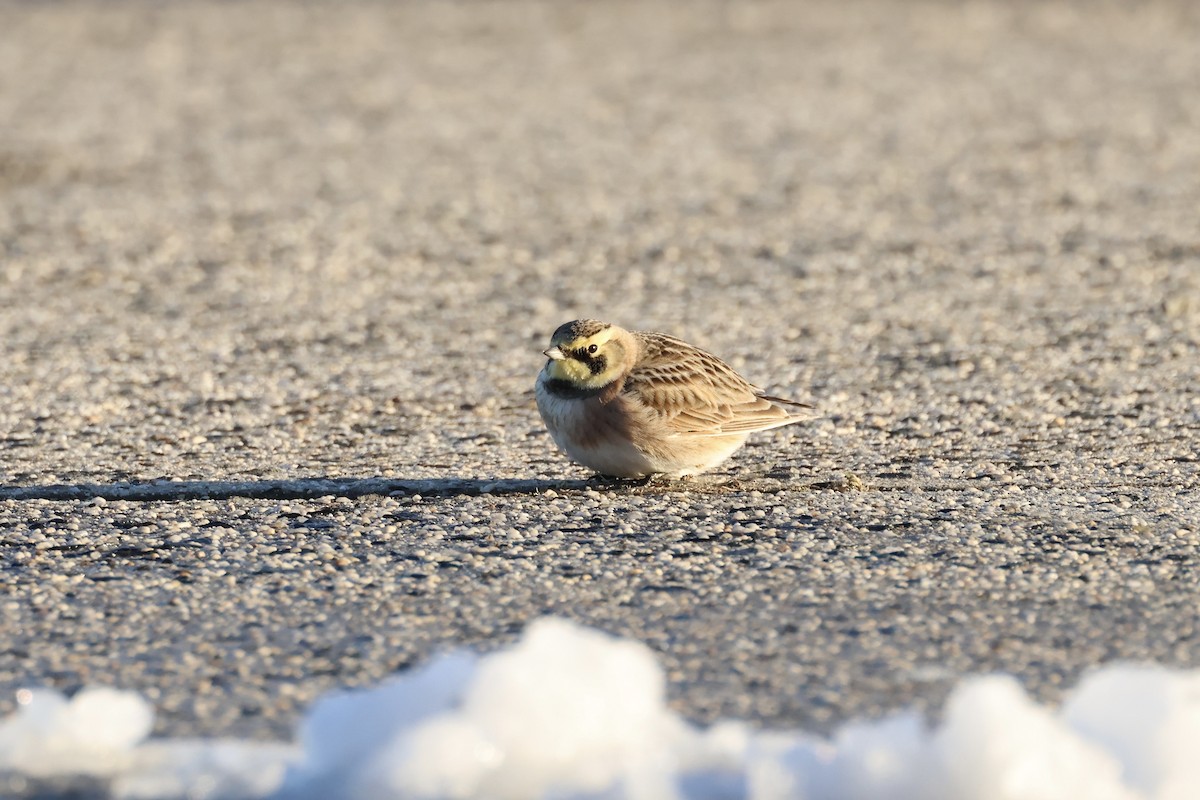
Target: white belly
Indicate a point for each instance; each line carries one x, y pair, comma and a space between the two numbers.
574, 426
593, 435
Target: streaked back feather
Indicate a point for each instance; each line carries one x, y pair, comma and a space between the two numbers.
697, 393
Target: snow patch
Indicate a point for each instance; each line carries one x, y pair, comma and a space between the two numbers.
569, 712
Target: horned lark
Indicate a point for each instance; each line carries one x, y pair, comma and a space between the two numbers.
633, 403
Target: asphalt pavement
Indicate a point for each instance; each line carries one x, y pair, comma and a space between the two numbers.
275, 279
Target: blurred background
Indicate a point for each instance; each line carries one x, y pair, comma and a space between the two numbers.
262, 241
221, 222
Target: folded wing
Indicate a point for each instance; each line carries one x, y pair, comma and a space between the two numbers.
698, 394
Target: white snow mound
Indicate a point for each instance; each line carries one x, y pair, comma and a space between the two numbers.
569, 712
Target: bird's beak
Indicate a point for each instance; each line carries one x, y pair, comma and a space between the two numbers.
554, 354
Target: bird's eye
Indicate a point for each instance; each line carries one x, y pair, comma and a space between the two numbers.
592, 348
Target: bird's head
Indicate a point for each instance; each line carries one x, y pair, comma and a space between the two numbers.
589, 354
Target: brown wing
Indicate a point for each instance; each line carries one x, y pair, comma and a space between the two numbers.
695, 392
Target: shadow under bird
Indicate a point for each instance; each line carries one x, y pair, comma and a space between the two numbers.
631, 404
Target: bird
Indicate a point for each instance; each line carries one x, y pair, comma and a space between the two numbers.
639, 404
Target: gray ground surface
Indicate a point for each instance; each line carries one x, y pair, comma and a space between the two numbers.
300, 261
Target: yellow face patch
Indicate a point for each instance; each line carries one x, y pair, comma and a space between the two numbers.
571, 370
583, 367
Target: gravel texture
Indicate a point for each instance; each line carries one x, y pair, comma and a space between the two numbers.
274, 279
